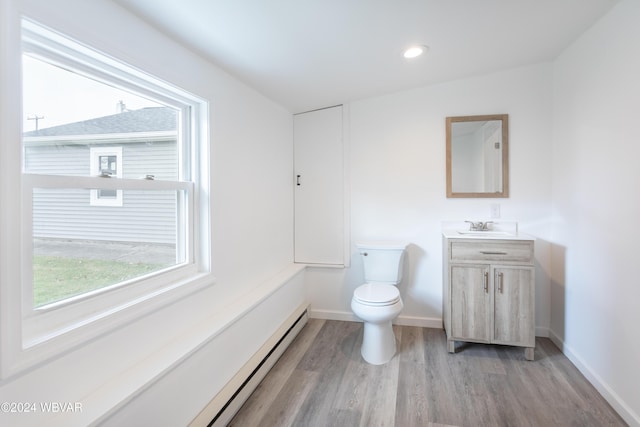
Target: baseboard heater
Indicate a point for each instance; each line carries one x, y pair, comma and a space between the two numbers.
251, 374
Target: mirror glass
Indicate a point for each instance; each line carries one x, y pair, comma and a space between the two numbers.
477, 156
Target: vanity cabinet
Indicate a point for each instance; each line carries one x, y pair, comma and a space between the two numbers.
489, 291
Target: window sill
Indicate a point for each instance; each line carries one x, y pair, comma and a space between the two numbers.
18, 357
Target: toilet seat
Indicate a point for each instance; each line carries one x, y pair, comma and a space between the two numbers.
374, 294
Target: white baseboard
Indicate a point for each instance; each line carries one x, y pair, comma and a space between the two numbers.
424, 322
333, 315
222, 408
629, 416
542, 331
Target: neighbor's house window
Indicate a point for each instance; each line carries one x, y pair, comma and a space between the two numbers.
115, 178
104, 163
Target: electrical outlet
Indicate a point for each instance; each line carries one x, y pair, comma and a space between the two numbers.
495, 210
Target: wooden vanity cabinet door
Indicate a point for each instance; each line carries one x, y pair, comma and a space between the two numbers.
514, 306
470, 303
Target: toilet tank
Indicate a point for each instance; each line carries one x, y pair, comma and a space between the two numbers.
382, 261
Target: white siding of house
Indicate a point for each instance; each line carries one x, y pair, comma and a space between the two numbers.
68, 214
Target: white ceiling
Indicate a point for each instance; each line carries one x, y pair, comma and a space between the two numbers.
307, 54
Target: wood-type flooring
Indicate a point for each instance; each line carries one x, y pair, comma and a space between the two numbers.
322, 380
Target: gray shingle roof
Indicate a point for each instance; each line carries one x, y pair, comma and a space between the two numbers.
143, 120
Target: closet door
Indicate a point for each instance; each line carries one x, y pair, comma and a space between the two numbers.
319, 187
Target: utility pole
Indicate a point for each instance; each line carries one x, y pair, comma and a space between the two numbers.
36, 118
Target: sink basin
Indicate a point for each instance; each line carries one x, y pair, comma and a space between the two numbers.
486, 233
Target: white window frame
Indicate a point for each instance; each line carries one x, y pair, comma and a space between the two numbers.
31, 334
94, 166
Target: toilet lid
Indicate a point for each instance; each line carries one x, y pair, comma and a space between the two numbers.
377, 294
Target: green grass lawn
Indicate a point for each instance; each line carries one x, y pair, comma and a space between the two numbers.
57, 278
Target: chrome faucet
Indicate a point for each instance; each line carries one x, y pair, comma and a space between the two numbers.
479, 226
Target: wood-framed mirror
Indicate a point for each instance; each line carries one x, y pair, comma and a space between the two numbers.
478, 156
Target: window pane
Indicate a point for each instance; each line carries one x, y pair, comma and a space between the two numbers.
75, 125
90, 239
79, 247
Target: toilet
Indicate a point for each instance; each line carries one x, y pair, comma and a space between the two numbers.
377, 302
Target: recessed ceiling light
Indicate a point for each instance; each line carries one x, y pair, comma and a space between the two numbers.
415, 51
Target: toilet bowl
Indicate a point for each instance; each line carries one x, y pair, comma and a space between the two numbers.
377, 302
377, 311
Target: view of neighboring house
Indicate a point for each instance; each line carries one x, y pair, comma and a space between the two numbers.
132, 144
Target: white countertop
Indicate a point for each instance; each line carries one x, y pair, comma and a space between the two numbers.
493, 235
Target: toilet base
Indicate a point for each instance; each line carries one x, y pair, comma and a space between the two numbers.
378, 343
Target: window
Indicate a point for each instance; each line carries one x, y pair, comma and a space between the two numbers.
104, 163
114, 187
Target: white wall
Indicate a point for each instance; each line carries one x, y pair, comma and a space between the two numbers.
397, 191
251, 199
397, 174
596, 176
